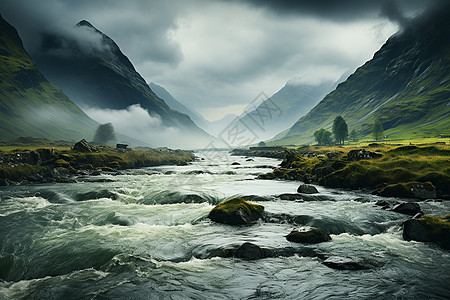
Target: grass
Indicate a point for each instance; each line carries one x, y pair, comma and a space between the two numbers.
399, 164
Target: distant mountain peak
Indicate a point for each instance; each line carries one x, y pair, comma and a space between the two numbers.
85, 23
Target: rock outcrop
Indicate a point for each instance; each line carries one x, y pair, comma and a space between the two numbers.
428, 229
84, 146
419, 190
359, 154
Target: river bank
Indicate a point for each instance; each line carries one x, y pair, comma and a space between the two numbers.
45, 165
385, 170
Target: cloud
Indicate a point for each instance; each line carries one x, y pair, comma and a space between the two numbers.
220, 54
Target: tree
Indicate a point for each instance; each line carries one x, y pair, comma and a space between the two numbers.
261, 144
322, 137
377, 129
340, 129
354, 136
104, 134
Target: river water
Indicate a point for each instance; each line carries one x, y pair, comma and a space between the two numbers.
144, 234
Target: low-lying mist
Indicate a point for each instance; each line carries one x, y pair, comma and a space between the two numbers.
136, 122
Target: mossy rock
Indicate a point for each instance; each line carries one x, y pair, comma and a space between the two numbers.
114, 164
428, 229
309, 235
420, 190
236, 211
62, 163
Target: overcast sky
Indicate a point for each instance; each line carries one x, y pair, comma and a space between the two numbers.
216, 56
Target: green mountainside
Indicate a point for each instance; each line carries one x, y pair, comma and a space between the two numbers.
29, 104
406, 86
99, 75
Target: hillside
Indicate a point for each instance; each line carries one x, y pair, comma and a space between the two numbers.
406, 86
96, 74
281, 110
174, 104
29, 104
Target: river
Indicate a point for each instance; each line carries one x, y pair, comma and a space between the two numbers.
144, 234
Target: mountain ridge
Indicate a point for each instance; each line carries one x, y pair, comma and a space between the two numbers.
406, 85
29, 104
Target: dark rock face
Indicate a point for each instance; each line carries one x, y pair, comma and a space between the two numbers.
419, 190
309, 235
84, 146
428, 229
307, 189
407, 208
344, 263
362, 154
236, 211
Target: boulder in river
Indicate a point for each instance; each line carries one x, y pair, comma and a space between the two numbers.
308, 234
235, 164
428, 229
307, 189
236, 211
419, 190
359, 154
344, 263
407, 208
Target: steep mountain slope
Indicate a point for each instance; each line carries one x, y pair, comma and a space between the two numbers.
280, 111
94, 72
406, 85
174, 104
29, 104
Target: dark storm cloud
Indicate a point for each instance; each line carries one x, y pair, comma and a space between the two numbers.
141, 26
345, 10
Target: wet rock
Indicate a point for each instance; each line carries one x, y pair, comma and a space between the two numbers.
428, 229
4, 182
407, 208
359, 154
290, 197
270, 175
249, 159
419, 190
307, 189
249, 251
236, 211
344, 263
235, 164
56, 173
84, 146
309, 235
256, 198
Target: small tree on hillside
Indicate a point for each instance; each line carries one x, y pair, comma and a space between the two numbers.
354, 136
377, 129
261, 144
104, 134
340, 129
322, 137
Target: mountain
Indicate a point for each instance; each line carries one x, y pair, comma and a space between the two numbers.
29, 104
174, 104
281, 110
406, 85
94, 72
